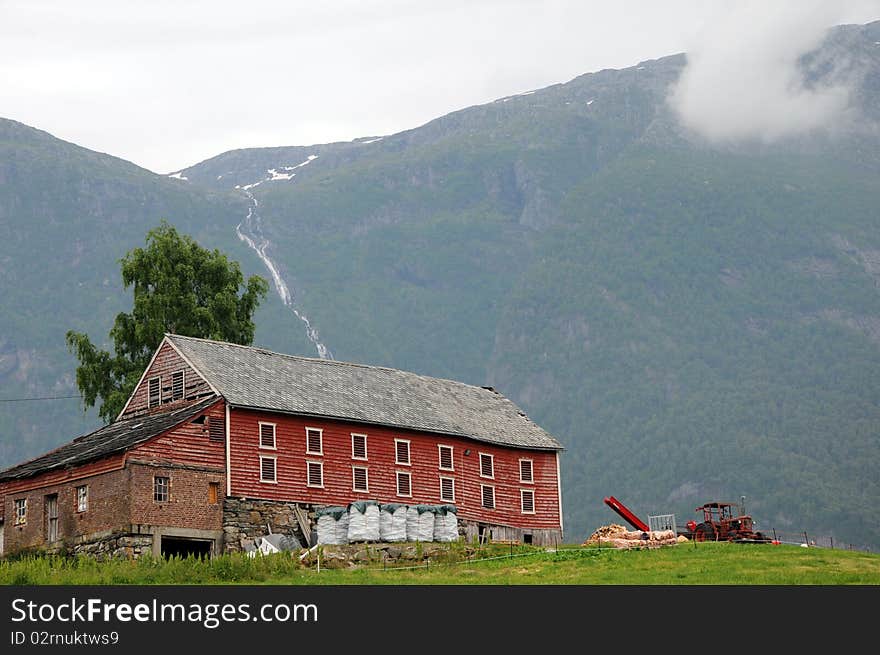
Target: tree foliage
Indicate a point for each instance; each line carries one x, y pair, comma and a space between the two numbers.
179, 287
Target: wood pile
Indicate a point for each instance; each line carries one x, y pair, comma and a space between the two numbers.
617, 536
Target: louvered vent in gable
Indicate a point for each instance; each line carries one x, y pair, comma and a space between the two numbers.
177, 385
216, 429
154, 392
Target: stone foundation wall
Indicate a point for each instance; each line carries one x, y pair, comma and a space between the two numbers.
114, 546
244, 519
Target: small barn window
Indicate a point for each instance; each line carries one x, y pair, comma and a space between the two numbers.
268, 471
20, 511
525, 471
177, 385
527, 501
267, 435
359, 446
314, 474
404, 484
216, 429
154, 392
447, 490
213, 493
314, 445
487, 466
161, 489
401, 452
487, 496
82, 498
445, 457
359, 480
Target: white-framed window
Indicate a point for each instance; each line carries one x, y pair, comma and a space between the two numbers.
154, 391
268, 469
487, 465
404, 483
20, 511
526, 471
82, 498
401, 452
527, 501
358, 446
161, 489
314, 474
177, 385
447, 490
487, 496
267, 435
444, 454
359, 478
314, 441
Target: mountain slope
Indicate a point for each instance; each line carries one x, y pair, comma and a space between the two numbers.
67, 215
693, 323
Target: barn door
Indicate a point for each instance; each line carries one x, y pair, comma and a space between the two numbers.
52, 518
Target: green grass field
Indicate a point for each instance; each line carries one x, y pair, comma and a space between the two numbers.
683, 564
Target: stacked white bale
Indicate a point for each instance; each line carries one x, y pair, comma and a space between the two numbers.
332, 525
392, 522
363, 521
420, 522
446, 523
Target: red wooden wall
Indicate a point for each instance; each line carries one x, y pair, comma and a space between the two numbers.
188, 443
291, 461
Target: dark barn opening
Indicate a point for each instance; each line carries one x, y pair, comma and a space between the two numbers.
182, 547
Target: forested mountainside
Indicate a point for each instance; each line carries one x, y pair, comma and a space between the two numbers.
692, 322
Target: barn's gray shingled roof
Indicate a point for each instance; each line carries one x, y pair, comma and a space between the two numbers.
113, 438
256, 378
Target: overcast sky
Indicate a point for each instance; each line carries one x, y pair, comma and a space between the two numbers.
168, 83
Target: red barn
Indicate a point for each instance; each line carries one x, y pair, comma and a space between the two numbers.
219, 442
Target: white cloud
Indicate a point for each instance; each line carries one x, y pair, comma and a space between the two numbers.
742, 80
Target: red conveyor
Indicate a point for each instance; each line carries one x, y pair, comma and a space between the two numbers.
627, 515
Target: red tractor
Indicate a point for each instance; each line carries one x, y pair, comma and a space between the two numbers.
725, 522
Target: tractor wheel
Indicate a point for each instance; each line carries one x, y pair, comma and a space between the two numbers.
704, 532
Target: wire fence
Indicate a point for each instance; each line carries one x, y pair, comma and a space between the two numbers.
455, 555
805, 539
